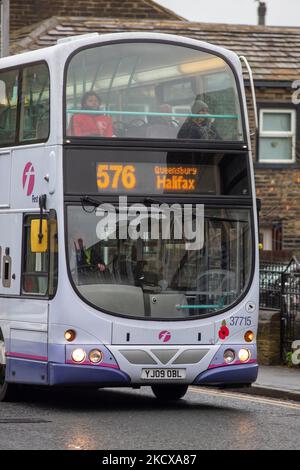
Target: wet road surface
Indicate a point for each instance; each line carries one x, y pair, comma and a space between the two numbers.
114, 419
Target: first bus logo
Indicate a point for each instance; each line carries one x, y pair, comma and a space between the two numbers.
28, 178
164, 336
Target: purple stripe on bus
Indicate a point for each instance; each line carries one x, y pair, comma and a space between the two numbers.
27, 356
213, 366
31, 348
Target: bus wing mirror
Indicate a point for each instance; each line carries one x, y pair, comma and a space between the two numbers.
258, 204
39, 244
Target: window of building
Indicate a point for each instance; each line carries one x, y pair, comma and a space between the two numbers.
8, 106
271, 237
277, 140
35, 104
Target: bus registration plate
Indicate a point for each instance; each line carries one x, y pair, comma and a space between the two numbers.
163, 374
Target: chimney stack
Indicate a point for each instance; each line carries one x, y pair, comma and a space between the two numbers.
262, 10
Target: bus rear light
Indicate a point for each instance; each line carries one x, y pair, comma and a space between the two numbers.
70, 335
244, 355
249, 336
229, 356
95, 356
78, 355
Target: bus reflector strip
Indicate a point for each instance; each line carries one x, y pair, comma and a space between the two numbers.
27, 356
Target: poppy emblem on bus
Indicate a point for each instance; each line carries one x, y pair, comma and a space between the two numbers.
223, 331
164, 336
28, 178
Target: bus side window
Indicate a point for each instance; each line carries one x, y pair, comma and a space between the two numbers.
35, 103
8, 106
35, 265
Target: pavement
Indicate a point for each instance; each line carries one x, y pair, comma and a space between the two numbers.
276, 382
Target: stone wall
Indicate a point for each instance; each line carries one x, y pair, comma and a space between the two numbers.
278, 185
268, 338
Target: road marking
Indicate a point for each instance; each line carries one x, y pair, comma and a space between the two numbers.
239, 396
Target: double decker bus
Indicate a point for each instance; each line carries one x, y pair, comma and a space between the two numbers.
128, 226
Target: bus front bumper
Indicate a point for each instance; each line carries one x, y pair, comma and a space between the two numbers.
65, 374
235, 375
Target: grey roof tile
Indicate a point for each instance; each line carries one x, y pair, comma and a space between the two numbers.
273, 52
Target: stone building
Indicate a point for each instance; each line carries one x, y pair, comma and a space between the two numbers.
273, 53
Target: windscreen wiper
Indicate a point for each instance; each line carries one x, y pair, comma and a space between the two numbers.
150, 200
87, 200
90, 201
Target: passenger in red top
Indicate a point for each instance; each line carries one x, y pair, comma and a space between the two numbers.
93, 125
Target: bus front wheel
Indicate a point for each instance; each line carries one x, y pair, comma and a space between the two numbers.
169, 392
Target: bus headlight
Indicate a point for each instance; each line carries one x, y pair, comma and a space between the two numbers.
95, 356
78, 355
229, 356
244, 355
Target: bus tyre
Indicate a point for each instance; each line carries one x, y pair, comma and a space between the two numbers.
169, 392
7, 390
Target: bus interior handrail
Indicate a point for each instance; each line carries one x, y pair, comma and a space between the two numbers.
145, 113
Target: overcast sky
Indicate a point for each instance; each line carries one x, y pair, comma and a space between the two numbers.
280, 12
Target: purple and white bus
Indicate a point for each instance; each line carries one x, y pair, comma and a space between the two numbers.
128, 222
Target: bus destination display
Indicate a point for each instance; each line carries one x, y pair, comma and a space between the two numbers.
154, 178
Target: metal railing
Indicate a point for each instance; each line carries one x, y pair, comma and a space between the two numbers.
280, 289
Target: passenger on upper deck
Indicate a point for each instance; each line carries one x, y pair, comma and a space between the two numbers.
93, 125
198, 127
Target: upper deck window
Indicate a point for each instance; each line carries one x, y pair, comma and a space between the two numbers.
8, 106
151, 91
35, 104
24, 104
